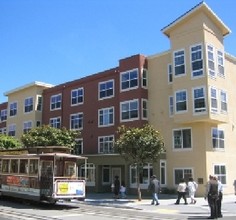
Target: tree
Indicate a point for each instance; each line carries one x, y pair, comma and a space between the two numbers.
49, 136
139, 146
8, 142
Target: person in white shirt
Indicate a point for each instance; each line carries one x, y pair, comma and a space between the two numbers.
181, 192
192, 187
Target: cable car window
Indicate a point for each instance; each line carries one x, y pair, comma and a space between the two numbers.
14, 166
5, 166
23, 166
70, 169
33, 167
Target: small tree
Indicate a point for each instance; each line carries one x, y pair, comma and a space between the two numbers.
49, 136
8, 142
139, 146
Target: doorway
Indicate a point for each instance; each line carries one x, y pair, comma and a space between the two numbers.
115, 171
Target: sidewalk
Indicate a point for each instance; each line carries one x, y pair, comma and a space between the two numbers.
167, 204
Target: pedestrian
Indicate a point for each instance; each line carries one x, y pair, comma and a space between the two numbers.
220, 197
181, 190
154, 188
123, 190
192, 187
116, 187
212, 196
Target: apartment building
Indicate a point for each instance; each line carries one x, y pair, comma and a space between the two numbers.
195, 83
24, 108
96, 105
186, 92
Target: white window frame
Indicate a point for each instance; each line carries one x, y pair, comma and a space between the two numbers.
28, 103
3, 115
144, 78
214, 98
106, 114
223, 101
13, 107
181, 101
202, 109
171, 106
129, 72
163, 172
144, 109
187, 172
211, 51
79, 117
216, 136
129, 102
178, 57
55, 102
105, 83
79, 95
12, 130
197, 51
79, 142
181, 139
27, 126
170, 73
106, 142
55, 122
91, 170
133, 184
220, 175
220, 63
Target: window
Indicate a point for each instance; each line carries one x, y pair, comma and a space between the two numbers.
197, 62
12, 130
23, 166
170, 73
182, 139
218, 138
55, 102
106, 117
144, 175
70, 169
199, 100
105, 144
129, 80
27, 126
33, 166
179, 62
144, 109
5, 165
106, 174
211, 61
181, 101
90, 178
3, 115
162, 172
78, 148
3, 130
220, 172
39, 103
55, 122
129, 110
223, 101
38, 123
214, 105
76, 121
13, 109
182, 173
171, 105
106, 89
77, 96
144, 78
28, 105
14, 165
221, 71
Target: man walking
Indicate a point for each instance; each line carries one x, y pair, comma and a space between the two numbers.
154, 188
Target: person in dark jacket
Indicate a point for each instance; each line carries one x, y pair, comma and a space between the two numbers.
116, 187
154, 188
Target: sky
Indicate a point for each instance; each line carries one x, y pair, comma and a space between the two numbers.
56, 41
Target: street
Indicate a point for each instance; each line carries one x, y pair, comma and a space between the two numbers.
108, 208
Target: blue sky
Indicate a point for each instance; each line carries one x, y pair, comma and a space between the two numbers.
55, 41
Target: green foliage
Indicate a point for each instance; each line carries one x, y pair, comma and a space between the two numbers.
139, 145
49, 136
8, 142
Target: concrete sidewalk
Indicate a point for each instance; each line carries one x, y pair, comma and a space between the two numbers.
167, 204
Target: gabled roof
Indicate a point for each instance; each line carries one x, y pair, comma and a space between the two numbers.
202, 6
36, 83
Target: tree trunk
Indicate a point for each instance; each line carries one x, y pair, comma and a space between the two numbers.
138, 184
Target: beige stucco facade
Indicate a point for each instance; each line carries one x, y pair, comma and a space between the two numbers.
200, 26
18, 122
